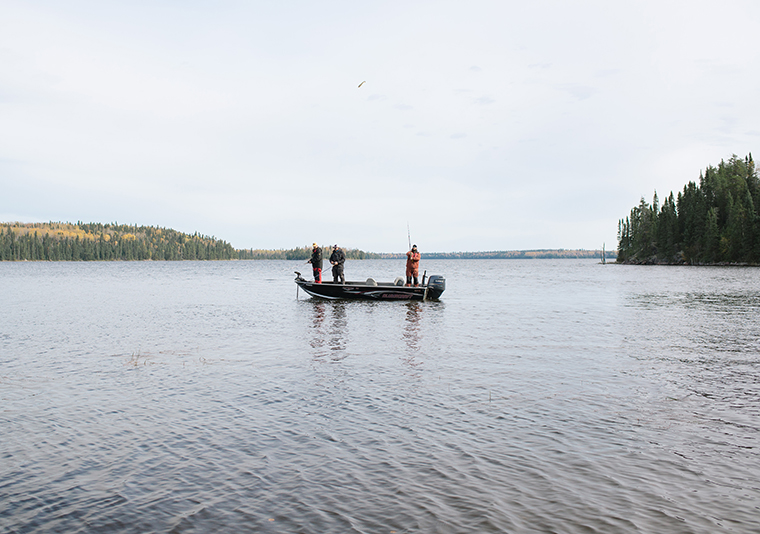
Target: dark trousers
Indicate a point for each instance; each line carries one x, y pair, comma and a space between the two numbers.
412, 272
338, 274
317, 274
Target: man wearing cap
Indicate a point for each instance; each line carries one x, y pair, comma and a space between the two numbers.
337, 259
316, 263
412, 266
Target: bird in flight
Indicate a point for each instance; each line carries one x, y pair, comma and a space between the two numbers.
365, 81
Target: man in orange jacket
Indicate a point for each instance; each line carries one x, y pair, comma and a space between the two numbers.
412, 266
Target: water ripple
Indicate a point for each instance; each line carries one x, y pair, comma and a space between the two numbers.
541, 396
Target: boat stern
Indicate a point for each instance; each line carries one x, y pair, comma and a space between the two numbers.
436, 286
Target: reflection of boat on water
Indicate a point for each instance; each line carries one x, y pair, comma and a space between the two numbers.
371, 290
411, 332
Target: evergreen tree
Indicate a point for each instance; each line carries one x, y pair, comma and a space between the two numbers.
712, 237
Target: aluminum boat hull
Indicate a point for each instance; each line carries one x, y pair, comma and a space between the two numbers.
371, 290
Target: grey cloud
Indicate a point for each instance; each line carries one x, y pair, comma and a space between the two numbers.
581, 92
484, 100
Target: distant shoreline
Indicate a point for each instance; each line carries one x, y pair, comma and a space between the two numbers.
118, 242
510, 255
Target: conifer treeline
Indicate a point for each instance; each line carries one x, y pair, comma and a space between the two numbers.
713, 222
301, 253
99, 242
92, 242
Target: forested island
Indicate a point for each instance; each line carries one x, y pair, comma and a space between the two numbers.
103, 242
715, 222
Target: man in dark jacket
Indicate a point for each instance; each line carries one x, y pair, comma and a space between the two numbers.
316, 262
337, 259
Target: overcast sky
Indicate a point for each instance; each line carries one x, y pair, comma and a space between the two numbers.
483, 125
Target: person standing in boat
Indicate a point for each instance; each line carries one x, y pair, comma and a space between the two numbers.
412, 267
316, 262
337, 259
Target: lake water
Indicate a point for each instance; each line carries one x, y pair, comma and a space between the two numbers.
535, 396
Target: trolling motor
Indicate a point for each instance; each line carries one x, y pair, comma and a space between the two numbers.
299, 277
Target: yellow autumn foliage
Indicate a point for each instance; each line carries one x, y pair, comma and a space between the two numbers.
63, 231
59, 230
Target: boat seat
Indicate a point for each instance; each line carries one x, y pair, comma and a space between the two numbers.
398, 281
371, 282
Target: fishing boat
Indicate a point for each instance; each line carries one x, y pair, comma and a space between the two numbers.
372, 290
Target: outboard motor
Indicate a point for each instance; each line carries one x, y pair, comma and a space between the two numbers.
437, 282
